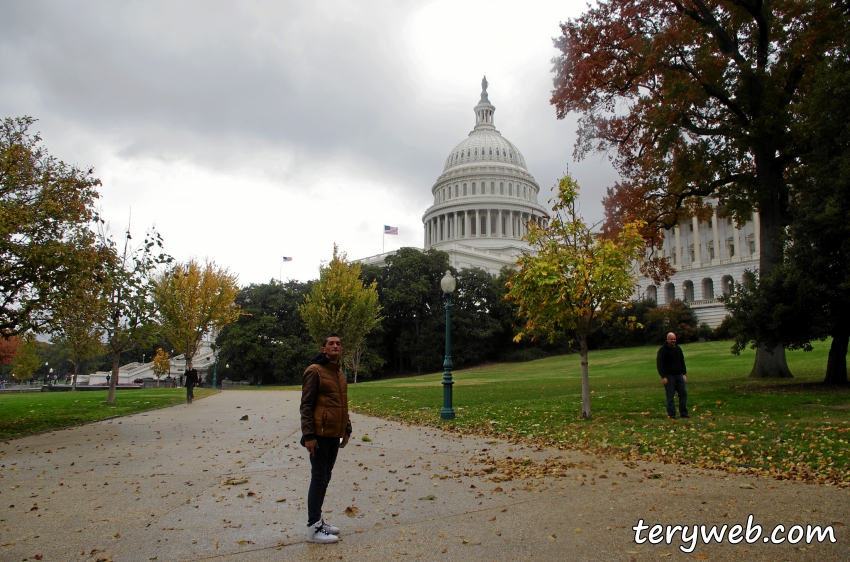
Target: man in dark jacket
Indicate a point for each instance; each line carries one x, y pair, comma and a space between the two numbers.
325, 427
191, 378
670, 362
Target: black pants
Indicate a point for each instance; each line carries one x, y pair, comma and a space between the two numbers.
322, 464
190, 393
676, 385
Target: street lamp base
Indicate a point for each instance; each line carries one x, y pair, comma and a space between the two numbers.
447, 414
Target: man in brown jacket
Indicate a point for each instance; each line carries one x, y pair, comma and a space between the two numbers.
324, 422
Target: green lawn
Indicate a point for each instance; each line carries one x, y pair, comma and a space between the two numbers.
793, 428
29, 412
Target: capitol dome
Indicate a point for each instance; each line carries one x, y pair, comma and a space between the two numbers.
484, 199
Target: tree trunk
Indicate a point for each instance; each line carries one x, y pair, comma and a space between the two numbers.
770, 363
836, 365
585, 381
113, 382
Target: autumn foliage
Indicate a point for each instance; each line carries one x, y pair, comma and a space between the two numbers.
575, 280
695, 99
9, 348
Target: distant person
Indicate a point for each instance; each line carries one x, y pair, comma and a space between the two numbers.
325, 427
190, 375
670, 362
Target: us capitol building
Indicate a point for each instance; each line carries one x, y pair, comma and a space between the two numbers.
483, 200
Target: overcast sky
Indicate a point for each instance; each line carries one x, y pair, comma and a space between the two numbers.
248, 131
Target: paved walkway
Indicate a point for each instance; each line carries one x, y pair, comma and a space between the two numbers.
164, 485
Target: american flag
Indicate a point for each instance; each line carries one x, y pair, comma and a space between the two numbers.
391, 230
286, 258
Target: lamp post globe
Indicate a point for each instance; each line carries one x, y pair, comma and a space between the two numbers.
448, 284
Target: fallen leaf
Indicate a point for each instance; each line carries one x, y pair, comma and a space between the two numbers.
551, 537
244, 542
747, 486
351, 510
700, 556
235, 481
428, 497
280, 500
493, 518
243, 418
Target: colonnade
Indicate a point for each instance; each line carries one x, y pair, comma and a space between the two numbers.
702, 253
479, 223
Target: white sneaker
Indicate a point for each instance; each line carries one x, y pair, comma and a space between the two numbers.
329, 529
316, 533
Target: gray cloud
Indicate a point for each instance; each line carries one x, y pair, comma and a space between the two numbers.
288, 90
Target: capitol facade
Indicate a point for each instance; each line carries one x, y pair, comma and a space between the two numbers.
709, 258
483, 201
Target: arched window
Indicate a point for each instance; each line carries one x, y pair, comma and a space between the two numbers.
476, 151
728, 284
501, 188
511, 154
464, 190
523, 192
492, 188
483, 225
510, 189
457, 190
491, 151
444, 194
670, 292
707, 288
473, 188
688, 291
652, 293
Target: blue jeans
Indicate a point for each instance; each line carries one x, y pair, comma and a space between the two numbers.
322, 464
676, 384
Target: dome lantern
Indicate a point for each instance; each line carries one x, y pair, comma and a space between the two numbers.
484, 110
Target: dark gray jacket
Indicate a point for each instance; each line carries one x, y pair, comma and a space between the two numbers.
670, 361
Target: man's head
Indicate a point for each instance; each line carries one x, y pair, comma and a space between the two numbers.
332, 346
191, 366
671, 339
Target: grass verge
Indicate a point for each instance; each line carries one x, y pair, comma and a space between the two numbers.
790, 429
31, 412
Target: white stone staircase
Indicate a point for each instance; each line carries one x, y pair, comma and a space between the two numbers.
128, 373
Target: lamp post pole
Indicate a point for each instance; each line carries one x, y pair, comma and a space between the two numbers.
215, 369
448, 284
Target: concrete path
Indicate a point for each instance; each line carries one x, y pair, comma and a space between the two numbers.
198, 483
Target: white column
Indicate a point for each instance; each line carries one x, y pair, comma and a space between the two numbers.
736, 238
678, 247
757, 232
489, 224
716, 230
697, 253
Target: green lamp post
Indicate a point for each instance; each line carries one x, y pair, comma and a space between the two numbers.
448, 284
215, 367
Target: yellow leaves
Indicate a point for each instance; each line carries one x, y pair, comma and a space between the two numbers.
161, 363
194, 299
340, 302
352, 510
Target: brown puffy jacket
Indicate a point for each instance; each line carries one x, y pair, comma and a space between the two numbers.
324, 402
